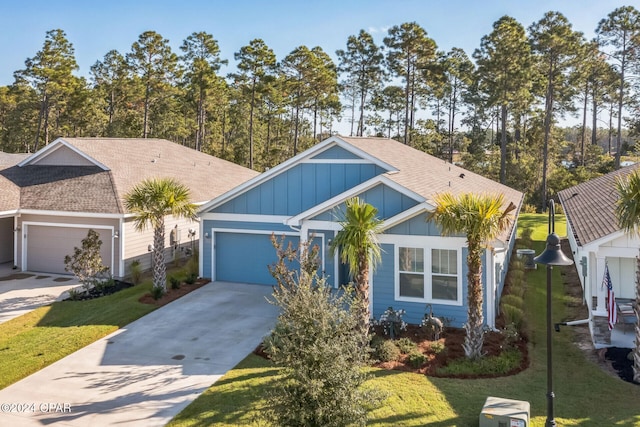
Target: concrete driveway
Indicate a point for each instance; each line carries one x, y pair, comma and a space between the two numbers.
21, 292
147, 372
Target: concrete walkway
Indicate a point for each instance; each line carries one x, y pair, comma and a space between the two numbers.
21, 292
147, 372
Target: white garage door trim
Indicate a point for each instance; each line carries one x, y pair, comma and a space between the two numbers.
25, 233
238, 230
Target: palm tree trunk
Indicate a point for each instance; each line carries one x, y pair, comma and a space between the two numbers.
159, 267
362, 288
474, 334
636, 349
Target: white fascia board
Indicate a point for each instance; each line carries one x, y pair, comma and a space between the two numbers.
56, 145
278, 219
70, 214
9, 213
594, 245
322, 225
288, 164
352, 192
408, 214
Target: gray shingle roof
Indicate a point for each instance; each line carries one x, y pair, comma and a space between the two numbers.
590, 206
134, 159
64, 188
9, 192
427, 175
129, 160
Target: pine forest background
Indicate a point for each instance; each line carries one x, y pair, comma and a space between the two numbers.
498, 111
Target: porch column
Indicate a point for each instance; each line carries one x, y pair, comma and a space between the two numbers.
599, 291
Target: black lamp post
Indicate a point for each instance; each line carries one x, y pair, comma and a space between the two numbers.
551, 256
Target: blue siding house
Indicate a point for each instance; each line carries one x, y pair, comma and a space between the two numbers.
305, 196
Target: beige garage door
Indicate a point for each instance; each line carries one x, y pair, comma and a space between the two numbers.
47, 246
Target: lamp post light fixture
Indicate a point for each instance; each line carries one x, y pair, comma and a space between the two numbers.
551, 256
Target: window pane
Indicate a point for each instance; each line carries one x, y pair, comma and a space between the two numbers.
411, 285
444, 261
445, 287
411, 259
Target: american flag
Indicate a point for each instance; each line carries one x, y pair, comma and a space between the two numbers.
611, 300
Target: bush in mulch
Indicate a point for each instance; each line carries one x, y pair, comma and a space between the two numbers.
621, 362
104, 289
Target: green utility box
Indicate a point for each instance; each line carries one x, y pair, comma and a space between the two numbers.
499, 412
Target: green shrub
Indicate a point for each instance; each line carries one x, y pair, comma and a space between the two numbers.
175, 282
135, 271
437, 347
157, 292
406, 346
318, 345
517, 290
511, 335
516, 275
191, 279
192, 265
416, 359
513, 315
75, 294
513, 300
387, 351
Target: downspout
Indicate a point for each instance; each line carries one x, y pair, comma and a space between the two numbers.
570, 323
121, 247
16, 232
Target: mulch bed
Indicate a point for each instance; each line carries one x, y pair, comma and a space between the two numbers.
173, 294
622, 362
93, 293
452, 339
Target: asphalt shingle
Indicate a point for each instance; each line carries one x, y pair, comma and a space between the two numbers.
590, 206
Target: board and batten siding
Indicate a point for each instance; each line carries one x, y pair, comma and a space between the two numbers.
388, 201
299, 188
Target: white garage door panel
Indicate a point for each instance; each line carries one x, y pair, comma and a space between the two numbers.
47, 246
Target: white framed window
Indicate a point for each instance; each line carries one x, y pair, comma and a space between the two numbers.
444, 274
411, 272
428, 274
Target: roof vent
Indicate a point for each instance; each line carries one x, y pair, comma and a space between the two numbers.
153, 160
461, 175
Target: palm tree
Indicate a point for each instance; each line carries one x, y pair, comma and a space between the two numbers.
150, 201
359, 246
628, 214
481, 218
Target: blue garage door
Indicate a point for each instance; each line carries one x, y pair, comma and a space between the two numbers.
245, 257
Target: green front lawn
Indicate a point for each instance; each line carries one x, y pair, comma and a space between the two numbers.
585, 395
39, 338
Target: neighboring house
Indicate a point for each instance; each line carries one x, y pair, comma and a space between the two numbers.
305, 196
50, 199
596, 240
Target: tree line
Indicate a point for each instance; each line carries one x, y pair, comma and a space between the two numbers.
496, 111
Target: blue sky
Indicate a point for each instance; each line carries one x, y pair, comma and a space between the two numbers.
95, 27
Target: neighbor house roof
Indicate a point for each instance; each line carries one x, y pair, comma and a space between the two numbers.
590, 206
108, 168
9, 192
